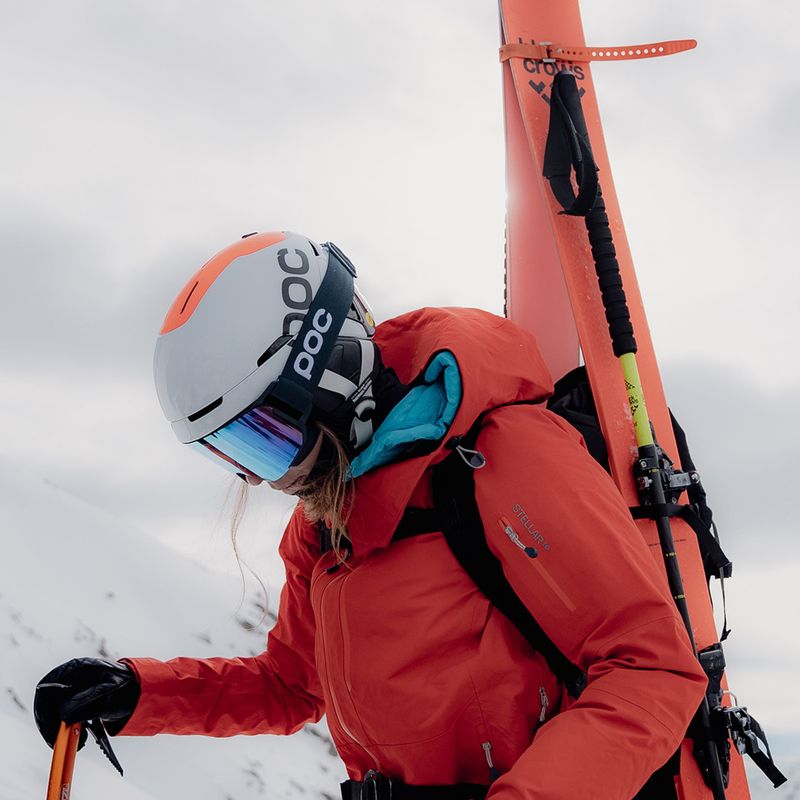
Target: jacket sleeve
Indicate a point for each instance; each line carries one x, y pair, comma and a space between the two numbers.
603, 600
276, 692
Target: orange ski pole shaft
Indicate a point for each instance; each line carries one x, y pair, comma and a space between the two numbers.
66, 746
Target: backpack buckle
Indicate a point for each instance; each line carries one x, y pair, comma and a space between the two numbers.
376, 786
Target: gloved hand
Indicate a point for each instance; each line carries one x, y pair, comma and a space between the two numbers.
85, 689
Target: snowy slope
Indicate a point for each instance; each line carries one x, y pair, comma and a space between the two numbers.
75, 581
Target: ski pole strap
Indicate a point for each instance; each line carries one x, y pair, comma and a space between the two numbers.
567, 150
548, 51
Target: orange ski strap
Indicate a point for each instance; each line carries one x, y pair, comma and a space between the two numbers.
548, 51
66, 746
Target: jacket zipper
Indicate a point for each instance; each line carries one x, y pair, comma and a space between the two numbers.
545, 703
337, 715
509, 531
487, 749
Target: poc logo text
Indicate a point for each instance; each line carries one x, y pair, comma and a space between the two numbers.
312, 342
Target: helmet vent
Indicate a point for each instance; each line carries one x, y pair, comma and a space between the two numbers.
203, 411
313, 247
272, 349
188, 296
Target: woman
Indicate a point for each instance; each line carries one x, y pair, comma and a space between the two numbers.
268, 363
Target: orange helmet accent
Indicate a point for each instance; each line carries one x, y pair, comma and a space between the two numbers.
190, 296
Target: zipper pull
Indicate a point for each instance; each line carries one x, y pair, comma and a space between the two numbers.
474, 459
545, 703
487, 749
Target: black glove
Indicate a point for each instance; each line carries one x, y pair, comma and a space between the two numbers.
85, 689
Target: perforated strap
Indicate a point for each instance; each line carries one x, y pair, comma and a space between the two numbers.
548, 51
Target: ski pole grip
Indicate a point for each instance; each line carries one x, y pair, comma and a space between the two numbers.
605, 259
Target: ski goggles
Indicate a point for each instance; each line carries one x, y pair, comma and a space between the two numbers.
261, 443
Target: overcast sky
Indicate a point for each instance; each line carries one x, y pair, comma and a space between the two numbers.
139, 138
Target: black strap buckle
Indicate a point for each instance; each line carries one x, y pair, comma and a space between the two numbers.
376, 786
746, 734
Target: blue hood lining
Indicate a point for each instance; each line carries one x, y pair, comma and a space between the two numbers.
425, 413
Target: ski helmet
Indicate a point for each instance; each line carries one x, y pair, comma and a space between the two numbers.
269, 331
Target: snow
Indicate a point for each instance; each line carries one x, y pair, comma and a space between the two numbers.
75, 581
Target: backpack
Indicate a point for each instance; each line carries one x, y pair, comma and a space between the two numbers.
456, 515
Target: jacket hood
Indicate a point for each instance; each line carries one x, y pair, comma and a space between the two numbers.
499, 363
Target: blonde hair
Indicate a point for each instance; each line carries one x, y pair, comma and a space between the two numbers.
327, 499
237, 497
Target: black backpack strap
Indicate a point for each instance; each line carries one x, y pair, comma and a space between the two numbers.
454, 500
572, 399
700, 519
416, 521
715, 563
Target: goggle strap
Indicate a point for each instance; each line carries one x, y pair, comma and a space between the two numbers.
291, 400
335, 253
299, 379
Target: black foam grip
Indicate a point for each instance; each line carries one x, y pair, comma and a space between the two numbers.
605, 259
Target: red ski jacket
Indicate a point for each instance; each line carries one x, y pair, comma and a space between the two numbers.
420, 677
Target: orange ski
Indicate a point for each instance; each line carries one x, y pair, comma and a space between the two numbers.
552, 289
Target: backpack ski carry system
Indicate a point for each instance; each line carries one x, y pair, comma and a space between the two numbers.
571, 292
568, 150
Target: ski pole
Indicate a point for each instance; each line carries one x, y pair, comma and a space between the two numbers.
59, 785
568, 148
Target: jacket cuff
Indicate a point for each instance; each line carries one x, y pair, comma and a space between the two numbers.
153, 676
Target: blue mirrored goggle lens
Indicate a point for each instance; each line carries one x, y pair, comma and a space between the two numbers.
257, 443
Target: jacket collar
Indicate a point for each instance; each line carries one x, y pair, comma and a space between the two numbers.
498, 363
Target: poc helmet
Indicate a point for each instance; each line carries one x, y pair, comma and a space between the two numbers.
266, 337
